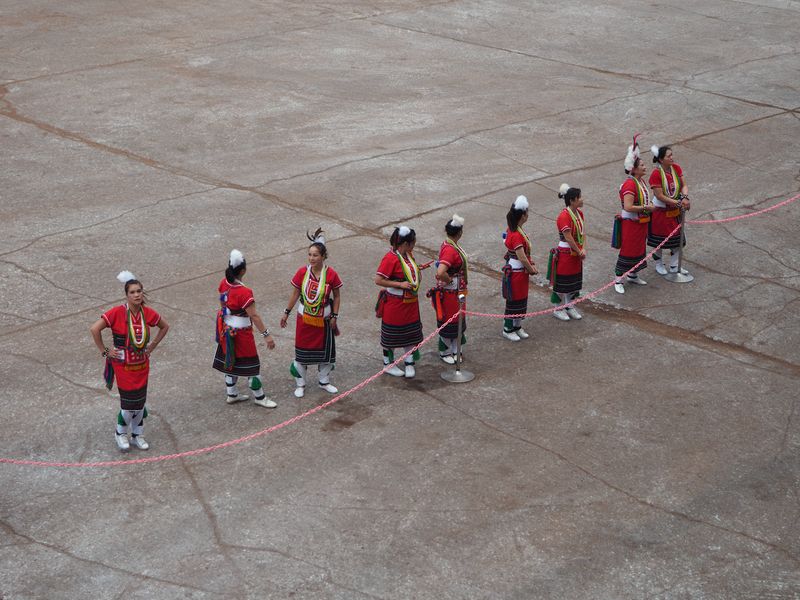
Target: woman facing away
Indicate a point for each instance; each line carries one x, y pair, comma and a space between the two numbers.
236, 354
451, 282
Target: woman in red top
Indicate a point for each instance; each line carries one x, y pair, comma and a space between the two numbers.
635, 215
671, 194
451, 281
315, 292
236, 354
398, 303
517, 270
570, 253
129, 358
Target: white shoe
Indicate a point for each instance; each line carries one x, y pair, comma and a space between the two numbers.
448, 358
574, 314
511, 335
299, 391
265, 402
636, 280
523, 335
661, 269
675, 270
561, 315
140, 442
122, 442
328, 388
237, 398
394, 371
619, 288
410, 371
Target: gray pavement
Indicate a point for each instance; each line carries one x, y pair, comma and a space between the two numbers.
647, 451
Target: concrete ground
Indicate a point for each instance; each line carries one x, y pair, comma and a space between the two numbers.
647, 451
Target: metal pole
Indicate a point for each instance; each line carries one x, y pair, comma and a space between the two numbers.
459, 375
680, 276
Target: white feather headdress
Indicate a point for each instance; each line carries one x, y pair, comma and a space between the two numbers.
403, 231
125, 276
655, 150
521, 203
457, 221
236, 258
633, 154
562, 191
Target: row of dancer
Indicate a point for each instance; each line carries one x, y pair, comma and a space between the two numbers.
316, 295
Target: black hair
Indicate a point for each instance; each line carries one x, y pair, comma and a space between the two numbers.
233, 273
396, 239
662, 152
513, 217
571, 194
319, 245
131, 282
636, 163
452, 229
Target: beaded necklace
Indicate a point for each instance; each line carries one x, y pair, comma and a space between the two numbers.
141, 342
676, 181
313, 304
410, 270
578, 225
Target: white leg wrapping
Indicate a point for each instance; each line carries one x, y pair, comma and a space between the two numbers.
230, 385
300, 381
325, 373
409, 360
137, 421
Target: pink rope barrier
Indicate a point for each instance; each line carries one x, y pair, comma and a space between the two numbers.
246, 438
583, 298
368, 380
746, 215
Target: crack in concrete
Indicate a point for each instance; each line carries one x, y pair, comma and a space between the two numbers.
629, 76
155, 289
753, 206
737, 65
14, 316
760, 249
50, 370
446, 511
327, 573
165, 54
631, 496
103, 221
207, 510
28, 271
96, 563
462, 137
